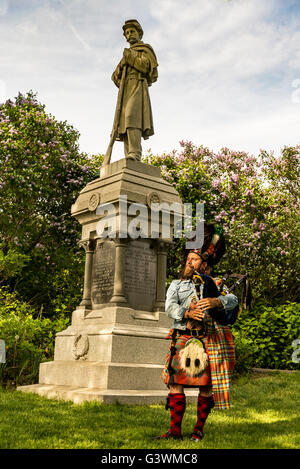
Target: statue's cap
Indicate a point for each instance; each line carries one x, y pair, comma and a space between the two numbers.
135, 24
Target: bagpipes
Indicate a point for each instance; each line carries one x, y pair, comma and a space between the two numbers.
242, 279
210, 251
193, 358
225, 318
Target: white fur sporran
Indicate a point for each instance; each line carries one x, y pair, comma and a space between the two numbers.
193, 359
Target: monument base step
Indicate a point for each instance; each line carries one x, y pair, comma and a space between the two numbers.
105, 396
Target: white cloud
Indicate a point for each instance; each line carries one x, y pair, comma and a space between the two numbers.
232, 65
225, 67
3, 94
3, 7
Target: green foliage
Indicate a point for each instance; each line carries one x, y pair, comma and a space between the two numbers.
269, 333
257, 202
12, 263
244, 353
42, 172
29, 341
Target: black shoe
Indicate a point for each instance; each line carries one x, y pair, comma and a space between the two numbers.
168, 435
197, 436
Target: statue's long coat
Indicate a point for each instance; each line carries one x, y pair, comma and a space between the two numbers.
141, 72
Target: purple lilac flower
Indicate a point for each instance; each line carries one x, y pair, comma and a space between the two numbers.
234, 178
216, 183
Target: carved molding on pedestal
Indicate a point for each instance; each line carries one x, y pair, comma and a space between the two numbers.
80, 347
87, 244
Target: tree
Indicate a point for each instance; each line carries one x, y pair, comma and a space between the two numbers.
256, 201
42, 172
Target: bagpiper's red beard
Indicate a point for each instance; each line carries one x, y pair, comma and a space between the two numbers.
187, 273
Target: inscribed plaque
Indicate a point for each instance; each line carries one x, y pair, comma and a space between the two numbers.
103, 272
140, 275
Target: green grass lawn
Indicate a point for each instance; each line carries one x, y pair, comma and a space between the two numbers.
264, 414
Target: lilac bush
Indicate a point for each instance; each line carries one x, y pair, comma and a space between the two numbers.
42, 172
255, 199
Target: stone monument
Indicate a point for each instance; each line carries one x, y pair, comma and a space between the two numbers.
136, 71
115, 348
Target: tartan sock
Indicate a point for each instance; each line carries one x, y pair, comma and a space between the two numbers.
204, 406
176, 403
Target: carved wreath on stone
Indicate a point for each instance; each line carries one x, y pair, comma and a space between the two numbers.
94, 201
153, 198
80, 347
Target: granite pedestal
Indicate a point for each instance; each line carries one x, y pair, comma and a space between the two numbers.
115, 348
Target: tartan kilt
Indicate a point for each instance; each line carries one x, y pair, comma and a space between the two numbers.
179, 376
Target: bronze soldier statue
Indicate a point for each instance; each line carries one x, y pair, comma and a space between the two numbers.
136, 71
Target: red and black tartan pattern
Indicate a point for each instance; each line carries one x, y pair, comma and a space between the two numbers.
204, 406
176, 404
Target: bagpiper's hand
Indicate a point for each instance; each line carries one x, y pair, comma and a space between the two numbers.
196, 314
209, 303
193, 304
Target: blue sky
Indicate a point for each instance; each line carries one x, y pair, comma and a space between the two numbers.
229, 70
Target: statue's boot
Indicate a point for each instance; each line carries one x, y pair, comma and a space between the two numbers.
132, 144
